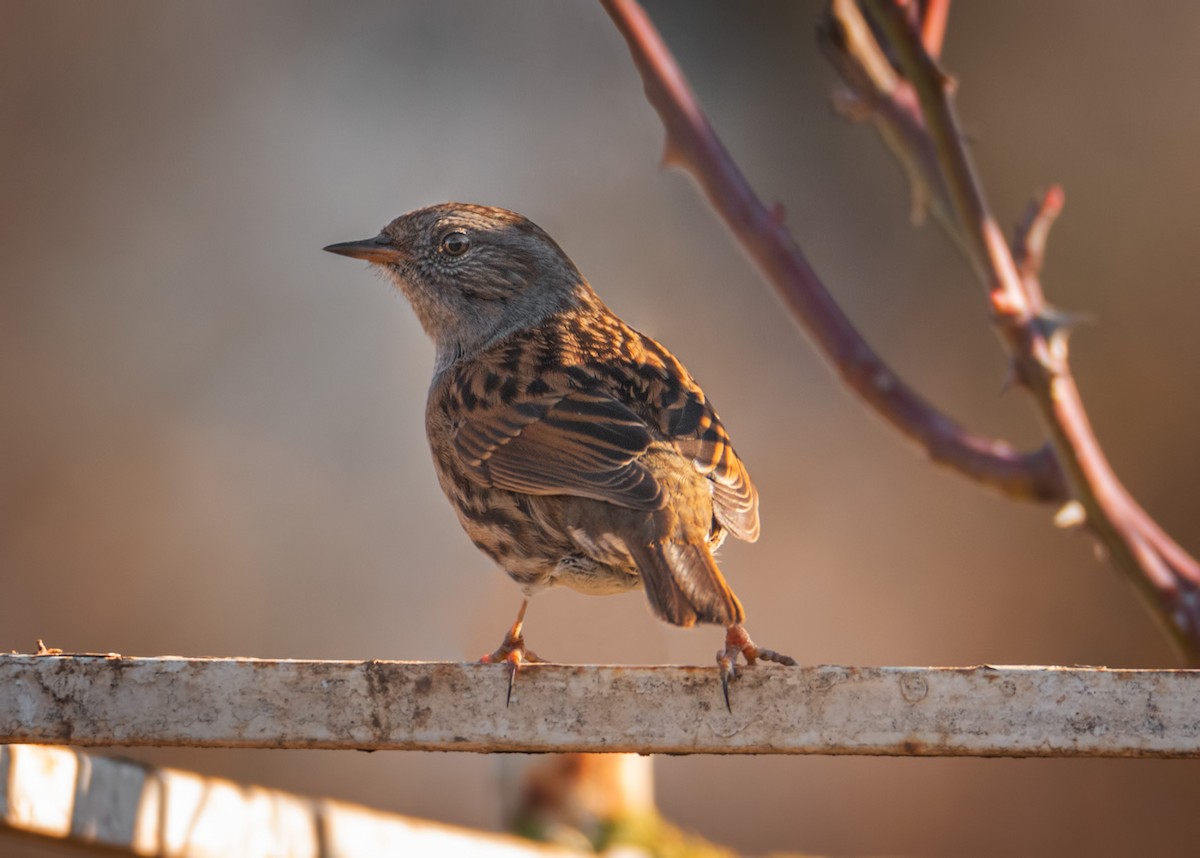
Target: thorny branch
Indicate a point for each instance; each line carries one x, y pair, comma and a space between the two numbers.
892, 77
693, 144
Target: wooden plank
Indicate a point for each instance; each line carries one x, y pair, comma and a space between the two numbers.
249, 703
65, 795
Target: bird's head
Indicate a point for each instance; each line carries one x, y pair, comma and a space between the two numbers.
473, 274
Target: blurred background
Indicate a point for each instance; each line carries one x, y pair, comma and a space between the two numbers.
211, 433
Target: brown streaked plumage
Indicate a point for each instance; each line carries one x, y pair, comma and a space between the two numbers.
575, 450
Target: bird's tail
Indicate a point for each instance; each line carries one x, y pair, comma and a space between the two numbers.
684, 585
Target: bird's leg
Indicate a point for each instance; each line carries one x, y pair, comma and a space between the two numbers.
737, 642
512, 651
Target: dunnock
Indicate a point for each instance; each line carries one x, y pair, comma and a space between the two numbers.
575, 450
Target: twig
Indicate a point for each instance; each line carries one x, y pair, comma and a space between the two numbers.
933, 25
1036, 336
693, 144
910, 105
1029, 240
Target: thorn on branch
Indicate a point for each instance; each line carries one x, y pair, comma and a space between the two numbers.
1055, 326
1012, 378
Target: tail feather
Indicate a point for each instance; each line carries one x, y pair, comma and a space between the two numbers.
684, 585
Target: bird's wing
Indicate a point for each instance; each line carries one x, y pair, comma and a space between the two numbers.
575, 443
688, 419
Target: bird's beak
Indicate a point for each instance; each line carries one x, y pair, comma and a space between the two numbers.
378, 249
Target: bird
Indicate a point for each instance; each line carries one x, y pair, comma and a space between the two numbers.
574, 450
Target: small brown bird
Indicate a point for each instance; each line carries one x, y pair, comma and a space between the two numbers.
575, 450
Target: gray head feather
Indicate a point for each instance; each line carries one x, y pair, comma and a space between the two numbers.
475, 274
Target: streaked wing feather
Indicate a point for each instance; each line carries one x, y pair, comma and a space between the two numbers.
578, 443
698, 434
478, 438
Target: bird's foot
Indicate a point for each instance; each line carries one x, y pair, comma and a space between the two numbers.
512, 652
737, 642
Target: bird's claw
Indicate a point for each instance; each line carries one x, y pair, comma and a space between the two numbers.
513, 653
728, 667
737, 642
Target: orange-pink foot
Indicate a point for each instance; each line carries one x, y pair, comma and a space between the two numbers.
737, 642
512, 652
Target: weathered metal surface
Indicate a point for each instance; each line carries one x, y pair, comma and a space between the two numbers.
61, 794
976, 711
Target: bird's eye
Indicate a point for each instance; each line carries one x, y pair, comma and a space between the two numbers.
455, 243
